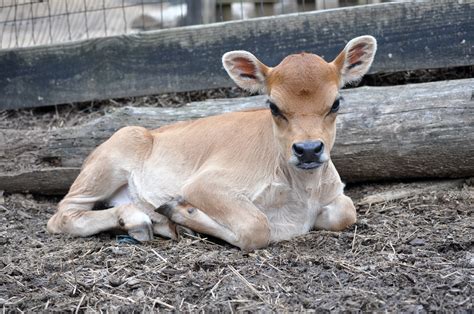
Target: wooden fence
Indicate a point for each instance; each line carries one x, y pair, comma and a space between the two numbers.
410, 35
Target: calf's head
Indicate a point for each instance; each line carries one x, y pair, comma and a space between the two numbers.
303, 95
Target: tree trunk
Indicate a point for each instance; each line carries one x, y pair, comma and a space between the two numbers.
383, 133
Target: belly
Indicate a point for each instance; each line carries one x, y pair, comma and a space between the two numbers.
121, 197
149, 189
156, 186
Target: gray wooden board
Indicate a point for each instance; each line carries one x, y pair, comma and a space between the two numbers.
384, 133
410, 36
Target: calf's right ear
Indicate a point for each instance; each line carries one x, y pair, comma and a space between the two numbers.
245, 70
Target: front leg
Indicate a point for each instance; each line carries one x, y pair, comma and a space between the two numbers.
337, 215
212, 208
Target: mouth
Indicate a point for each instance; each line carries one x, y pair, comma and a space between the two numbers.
309, 165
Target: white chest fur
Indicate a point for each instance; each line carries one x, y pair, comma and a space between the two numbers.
293, 201
290, 211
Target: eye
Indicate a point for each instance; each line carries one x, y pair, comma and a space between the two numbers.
335, 105
274, 109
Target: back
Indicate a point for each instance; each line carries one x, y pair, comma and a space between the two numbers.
241, 142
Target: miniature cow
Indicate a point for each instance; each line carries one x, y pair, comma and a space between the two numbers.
250, 178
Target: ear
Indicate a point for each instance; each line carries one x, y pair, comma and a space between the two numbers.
356, 58
246, 70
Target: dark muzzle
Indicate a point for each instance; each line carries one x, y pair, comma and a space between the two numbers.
309, 154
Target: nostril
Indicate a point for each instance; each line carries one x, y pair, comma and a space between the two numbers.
298, 150
318, 147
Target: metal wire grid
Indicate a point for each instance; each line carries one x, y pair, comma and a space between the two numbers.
40, 22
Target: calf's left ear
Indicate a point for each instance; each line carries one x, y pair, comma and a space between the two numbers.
356, 58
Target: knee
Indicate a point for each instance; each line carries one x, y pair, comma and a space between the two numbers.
255, 235
338, 215
59, 222
347, 218
53, 225
70, 222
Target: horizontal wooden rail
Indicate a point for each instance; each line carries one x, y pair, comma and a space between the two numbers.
410, 36
383, 133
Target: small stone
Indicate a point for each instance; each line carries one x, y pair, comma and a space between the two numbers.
470, 259
140, 293
133, 282
392, 257
118, 251
417, 242
115, 281
23, 214
7, 260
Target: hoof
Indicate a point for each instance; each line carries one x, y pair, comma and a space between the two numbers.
167, 208
173, 210
141, 233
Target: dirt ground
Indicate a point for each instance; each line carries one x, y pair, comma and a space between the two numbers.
414, 253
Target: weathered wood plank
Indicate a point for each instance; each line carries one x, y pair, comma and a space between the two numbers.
410, 36
384, 133
51, 181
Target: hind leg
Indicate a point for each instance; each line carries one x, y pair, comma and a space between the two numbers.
105, 171
74, 215
86, 222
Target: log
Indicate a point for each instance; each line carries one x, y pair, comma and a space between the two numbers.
410, 35
384, 133
411, 190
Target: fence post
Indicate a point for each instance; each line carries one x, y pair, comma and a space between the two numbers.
194, 12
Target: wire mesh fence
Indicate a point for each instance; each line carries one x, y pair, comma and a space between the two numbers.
26, 23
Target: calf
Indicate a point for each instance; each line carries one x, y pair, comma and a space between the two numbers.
249, 178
